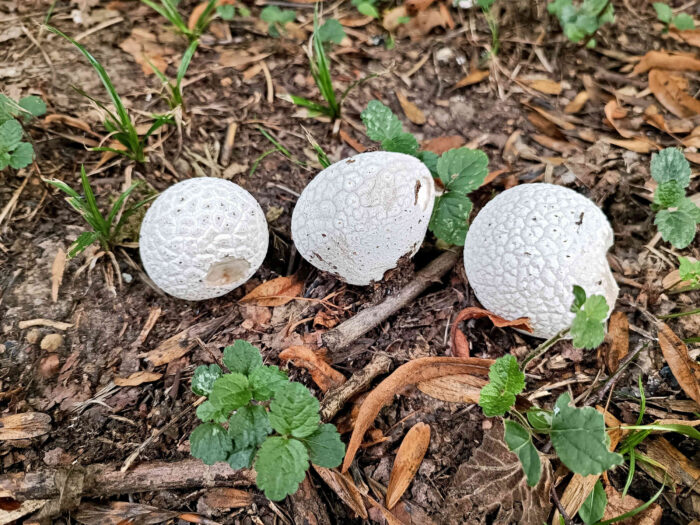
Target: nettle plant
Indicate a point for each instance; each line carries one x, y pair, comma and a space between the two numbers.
676, 215
14, 152
580, 21
254, 416
457, 172
681, 21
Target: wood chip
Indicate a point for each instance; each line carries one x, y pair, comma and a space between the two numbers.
618, 332
57, 325
137, 378
461, 388
227, 498
24, 426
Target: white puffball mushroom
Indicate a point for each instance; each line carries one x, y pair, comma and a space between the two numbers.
359, 216
203, 237
529, 246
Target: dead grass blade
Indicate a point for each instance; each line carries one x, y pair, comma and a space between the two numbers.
408, 459
458, 344
685, 370
325, 376
276, 292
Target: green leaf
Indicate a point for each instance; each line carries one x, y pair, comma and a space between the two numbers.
588, 328
241, 458
331, 31
430, 160
203, 379
281, 465
210, 443
401, 143
678, 226
226, 11
594, 505
462, 169
578, 436
294, 411
4, 160
505, 382
22, 156
450, 219
84, 240
265, 381
274, 15
669, 194
249, 426
663, 12
541, 420
10, 135
485, 4
368, 9
380, 121
33, 104
670, 164
325, 447
230, 392
207, 412
689, 270
579, 298
242, 357
683, 22
519, 441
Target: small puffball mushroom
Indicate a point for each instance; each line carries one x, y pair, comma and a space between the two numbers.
203, 237
529, 246
359, 216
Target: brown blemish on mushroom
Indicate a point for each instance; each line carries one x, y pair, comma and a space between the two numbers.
416, 192
226, 271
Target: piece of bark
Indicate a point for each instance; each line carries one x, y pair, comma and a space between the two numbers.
307, 505
345, 333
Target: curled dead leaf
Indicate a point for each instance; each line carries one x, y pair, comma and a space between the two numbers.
412, 112
26, 425
685, 370
637, 144
670, 61
414, 6
671, 91
618, 330
577, 103
138, 378
408, 459
68, 121
325, 376
393, 18
653, 116
522, 323
422, 24
474, 77
57, 268
276, 292
462, 388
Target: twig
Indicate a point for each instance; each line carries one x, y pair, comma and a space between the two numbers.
560, 507
549, 343
612, 380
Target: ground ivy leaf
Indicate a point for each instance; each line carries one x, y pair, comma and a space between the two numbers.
22, 156
210, 443
593, 507
249, 426
505, 382
325, 447
242, 357
294, 411
401, 143
663, 12
380, 121
462, 169
539, 419
203, 379
683, 21
670, 164
241, 458
677, 227
450, 219
578, 436
10, 135
587, 328
230, 392
331, 31
669, 194
207, 412
689, 270
265, 381
33, 104
280, 465
226, 11
519, 441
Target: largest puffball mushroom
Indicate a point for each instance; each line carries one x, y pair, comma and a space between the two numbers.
529, 246
359, 216
203, 237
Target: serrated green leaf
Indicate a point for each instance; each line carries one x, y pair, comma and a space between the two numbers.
10, 135
541, 420
204, 377
594, 505
579, 298
450, 219
505, 382
578, 436
226, 11
265, 381
280, 465
689, 270
331, 31
33, 104
22, 156
207, 412
462, 169
670, 164
210, 443
683, 22
249, 426
519, 441
669, 194
230, 392
325, 447
241, 458
663, 12
676, 226
587, 328
4, 160
401, 143
380, 121
242, 357
294, 411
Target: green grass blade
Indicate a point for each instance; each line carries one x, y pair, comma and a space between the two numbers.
111, 122
119, 203
170, 12
204, 18
185, 62
257, 161
130, 211
310, 104
642, 401
84, 240
635, 511
630, 474
91, 202
63, 187
161, 120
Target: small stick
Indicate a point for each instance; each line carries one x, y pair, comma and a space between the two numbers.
560, 507
348, 331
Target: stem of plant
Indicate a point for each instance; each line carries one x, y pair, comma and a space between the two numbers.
680, 314
544, 347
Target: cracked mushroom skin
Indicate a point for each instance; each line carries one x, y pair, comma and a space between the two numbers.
529, 246
203, 237
359, 216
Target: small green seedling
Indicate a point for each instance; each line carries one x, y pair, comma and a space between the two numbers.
690, 272
174, 98
681, 21
580, 21
276, 19
676, 215
367, 7
13, 151
331, 31
104, 230
228, 11
119, 125
458, 171
254, 416
486, 7
168, 9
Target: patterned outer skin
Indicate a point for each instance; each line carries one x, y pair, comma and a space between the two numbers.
359, 216
527, 248
196, 224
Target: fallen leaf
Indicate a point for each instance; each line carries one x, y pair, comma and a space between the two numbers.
653, 117
325, 319
410, 373
522, 323
384, 513
677, 467
577, 103
671, 92
462, 388
408, 459
613, 112
543, 85
685, 369
143, 46
638, 145
276, 292
356, 21
421, 24
692, 157
440, 145
557, 119
238, 59
57, 268
412, 112
393, 18
474, 77
670, 61
561, 146
617, 505
137, 378
414, 6
344, 486
354, 144
68, 121
618, 330
26, 425
227, 498
120, 513
325, 376
197, 12
545, 126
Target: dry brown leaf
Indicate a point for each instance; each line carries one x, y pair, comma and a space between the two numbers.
138, 378
692, 157
325, 376
239, 60
545, 126
57, 268
356, 21
421, 369
421, 24
121, 513
384, 513
613, 112
325, 319
354, 144
412, 112
638, 145
559, 120
461, 388
447, 16
685, 370
543, 85
561, 146
196, 13
276, 292
522, 323
408, 460
653, 116
227, 498
474, 77
671, 91
577, 103
414, 6
344, 486
143, 46
68, 121
677, 467
617, 505
393, 18
440, 145
618, 331
26, 425
670, 61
